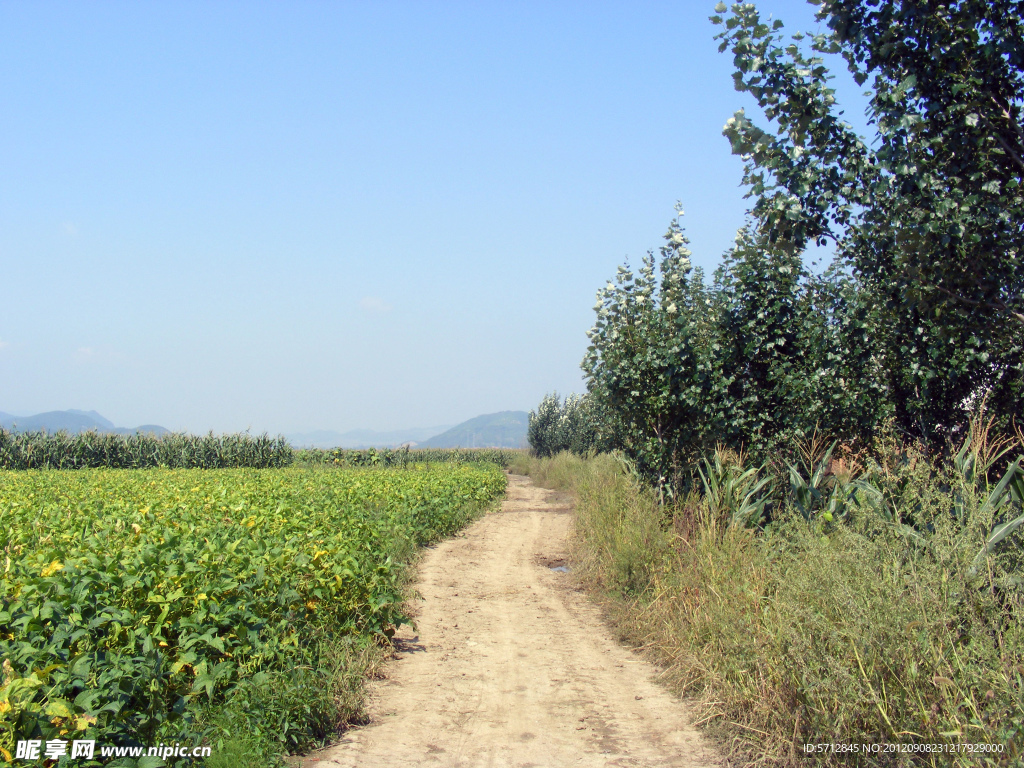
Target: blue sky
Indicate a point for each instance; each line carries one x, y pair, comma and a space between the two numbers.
291, 216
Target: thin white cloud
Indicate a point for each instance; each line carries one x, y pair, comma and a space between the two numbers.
99, 354
374, 304
4, 344
70, 228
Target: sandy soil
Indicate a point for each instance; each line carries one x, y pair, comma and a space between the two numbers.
510, 665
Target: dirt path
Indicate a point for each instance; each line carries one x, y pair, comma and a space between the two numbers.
510, 666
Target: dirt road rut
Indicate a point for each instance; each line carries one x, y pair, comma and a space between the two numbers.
510, 666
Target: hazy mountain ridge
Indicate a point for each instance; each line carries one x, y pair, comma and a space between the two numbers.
505, 429
103, 421
73, 422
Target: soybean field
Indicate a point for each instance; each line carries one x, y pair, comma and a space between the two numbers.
154, 605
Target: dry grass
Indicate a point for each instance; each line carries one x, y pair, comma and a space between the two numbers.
808, 633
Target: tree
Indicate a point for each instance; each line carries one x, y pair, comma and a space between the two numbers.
647, 363
931, 221
572, 425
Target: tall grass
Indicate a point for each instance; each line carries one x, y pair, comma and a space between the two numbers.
92, 450
811, 631
292, 711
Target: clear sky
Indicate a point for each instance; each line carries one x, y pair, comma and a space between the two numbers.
287, 216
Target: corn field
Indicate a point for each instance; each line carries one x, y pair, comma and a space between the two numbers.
91, 450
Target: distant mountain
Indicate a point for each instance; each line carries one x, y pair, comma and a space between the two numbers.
361, 438
506, 429
55, 421
73, 422
95, 417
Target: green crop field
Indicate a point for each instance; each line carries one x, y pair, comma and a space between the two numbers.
136, 605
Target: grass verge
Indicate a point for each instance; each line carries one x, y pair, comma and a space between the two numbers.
807, 633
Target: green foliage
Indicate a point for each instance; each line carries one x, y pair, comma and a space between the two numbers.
921, 314
404, 457
864, 587
572, 425
735, 492
931, 220
650, 367
291, 710
765, 355
91, 450
131, 602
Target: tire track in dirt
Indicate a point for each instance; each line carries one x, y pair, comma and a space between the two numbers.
509, 665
